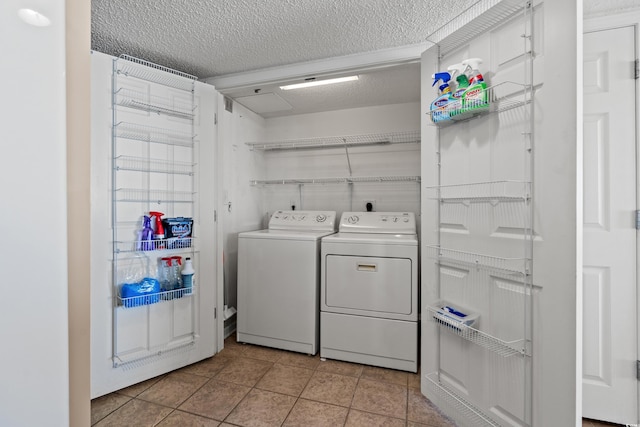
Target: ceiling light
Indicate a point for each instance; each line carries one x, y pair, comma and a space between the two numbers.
34, 18
319, 83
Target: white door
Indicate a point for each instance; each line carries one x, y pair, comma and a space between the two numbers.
610, 334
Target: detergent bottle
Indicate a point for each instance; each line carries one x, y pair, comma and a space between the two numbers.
440, 105
456, 106
476, 97
158, 233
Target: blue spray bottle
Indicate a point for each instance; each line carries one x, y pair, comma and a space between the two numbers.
145, 236
440, 105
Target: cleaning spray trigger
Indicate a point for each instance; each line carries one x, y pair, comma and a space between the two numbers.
458, 73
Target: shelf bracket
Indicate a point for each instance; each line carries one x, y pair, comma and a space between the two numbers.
346, 150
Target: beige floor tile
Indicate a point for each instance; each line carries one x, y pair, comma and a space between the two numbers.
381, 398
262, 353
261, 408
309, 413
421, 410
103, 406
136, 389
385, 375
365, 419
207, 368
414, 380
299, 360
216, 399
183, 419
244, 371
173, 389
135, 413
330, 388
342, 368
285, 379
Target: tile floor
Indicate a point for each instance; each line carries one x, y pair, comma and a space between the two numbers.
247, 385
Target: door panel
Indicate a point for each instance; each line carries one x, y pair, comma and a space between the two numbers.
610, 333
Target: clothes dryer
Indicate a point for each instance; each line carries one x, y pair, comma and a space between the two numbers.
369, 290
279, 278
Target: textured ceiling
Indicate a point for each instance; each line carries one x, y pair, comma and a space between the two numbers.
214, 38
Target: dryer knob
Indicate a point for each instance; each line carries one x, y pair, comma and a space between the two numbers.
353, 219
321, 218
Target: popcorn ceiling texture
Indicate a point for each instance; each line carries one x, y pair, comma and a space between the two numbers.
215, 37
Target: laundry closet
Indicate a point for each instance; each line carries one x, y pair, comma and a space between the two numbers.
481, 213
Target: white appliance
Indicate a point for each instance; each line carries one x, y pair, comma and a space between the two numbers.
278, 281
369, 291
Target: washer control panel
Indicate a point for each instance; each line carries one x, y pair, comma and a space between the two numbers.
378, 222
303, 220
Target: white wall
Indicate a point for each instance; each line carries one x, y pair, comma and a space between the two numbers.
241, 204
391, 160
34, 361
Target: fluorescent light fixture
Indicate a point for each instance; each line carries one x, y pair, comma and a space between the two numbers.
319, 82
34, 18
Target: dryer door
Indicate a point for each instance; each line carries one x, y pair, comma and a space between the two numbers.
369, 286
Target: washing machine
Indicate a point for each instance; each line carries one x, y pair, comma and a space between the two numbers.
279, 281
369, 291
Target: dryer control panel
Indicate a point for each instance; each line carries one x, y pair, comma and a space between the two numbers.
378, 222
303, 220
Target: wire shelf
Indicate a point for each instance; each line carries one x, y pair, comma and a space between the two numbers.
149, 71
142, 300
501, 97
340, 141
491, 191
348, 180
459, 407
476, 20
153, 134
143, 164
519, 266
153, 196
154, 104
173, 243
491, 343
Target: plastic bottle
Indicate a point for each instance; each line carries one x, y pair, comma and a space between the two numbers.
440, 105
475, 97
165, 274
187, 275
145, 236
176, 278
159, 230
457, 107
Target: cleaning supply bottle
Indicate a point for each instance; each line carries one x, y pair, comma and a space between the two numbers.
440, 105
187, 275
158, 234
457, 107
476, 97
145, 236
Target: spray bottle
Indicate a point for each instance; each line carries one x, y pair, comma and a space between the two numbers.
457, 107
158, 234
440, 105
475, 97
145, 236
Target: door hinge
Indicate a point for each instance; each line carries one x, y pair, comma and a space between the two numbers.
637, 69
637, 220
215, 216
637, 369
215, 312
